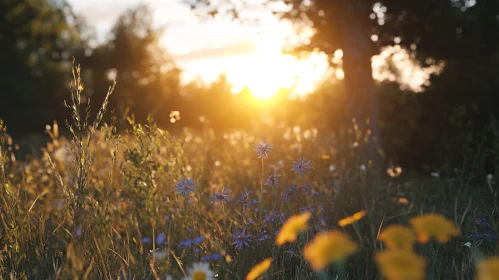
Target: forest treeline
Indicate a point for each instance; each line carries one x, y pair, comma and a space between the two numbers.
451, 122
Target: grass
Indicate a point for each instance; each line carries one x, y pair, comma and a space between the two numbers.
103, 205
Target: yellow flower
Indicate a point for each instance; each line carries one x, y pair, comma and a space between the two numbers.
488, 269
352, 219
329, 247
259, 269
398, 237
401, 265
294, 225
434, 226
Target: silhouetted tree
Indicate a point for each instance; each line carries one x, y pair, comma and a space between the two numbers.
37, 40
148, 82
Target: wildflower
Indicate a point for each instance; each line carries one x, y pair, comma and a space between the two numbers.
185, 186
352, 219
488, 269
329, 247
200, 271
213, 257
198, 240
310, 208
331, 168
435, 175
263, 149
146, 240
272, 180
482, 221
185, 244
273, 217
401, 265
434, 226
160, 239
301, 166
398, 237
222, 197
245, 200
363, 168
259, 269
289, 193
78, 231
250, 222
265, 236
291, 228
485, 236
241, 239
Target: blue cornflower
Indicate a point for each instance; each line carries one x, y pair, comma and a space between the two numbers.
185, 186
307, 208
184, 244
222, 197
301, 166
485, 236
286, 196
265, 236
250, 222
272, 180
245, 200
198, 240
78, 231
146, 240
482, 221
273, 217
212, 257
263, 149
241, 239
161, 238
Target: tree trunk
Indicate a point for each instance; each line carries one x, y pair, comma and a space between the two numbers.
361, 96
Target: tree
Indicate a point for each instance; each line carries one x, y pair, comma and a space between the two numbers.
37, 40
440, 30
147, 80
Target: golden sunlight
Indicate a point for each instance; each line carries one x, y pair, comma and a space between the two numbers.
265, 70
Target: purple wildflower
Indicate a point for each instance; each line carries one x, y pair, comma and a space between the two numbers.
222, 197
161, 238
241, 239
272, 180
263, 149
245, 200
250, 222
78, 231
185, 186
301, 166
212, 257
273, 217
289, 193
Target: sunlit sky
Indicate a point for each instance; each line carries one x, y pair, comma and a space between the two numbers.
250, 55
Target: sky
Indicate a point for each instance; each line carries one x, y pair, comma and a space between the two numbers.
205, 49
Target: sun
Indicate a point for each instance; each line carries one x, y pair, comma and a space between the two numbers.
266, 70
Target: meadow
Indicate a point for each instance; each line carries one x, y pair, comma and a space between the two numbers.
270, 202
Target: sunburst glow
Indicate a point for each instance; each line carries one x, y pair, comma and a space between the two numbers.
266, 70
